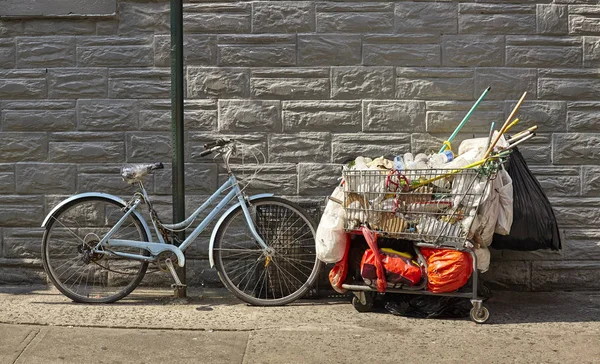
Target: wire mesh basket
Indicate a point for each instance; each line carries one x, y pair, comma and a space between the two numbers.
436, 206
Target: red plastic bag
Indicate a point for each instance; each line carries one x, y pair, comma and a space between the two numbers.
399, 268
371, 239
447, 270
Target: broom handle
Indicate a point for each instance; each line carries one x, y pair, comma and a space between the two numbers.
464, 120
506, 123
521, 133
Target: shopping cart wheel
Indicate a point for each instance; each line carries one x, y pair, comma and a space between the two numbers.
480, 315
362, 301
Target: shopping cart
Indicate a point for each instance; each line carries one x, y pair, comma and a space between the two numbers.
433, 208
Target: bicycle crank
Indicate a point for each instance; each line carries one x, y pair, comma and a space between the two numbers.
161, 260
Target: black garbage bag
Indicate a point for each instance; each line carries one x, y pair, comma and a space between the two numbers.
422, 306
534, 224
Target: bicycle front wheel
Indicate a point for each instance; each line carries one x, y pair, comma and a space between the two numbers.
267, 277
75, 268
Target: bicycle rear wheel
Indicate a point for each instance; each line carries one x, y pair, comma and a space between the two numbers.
276, 276
75, 269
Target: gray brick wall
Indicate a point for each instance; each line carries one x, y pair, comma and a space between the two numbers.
311, 84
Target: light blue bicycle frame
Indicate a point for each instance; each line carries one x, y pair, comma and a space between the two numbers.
106, 243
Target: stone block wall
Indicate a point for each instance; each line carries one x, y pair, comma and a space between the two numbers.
310, 83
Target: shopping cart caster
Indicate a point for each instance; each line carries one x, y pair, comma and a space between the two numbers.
479, 313
362, 301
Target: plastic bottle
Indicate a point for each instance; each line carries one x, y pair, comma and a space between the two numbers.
421, 157
398, 163
360, 163
438, 160
409, 161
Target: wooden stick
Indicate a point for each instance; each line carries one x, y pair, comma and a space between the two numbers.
519, 142
510, 117
520, 136
521, 133
491, 133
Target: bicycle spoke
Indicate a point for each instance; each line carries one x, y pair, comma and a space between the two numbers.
250, 271
69, 230
300, 260
284, 278
236, 268
72, 260
254, 265
257, 281
80, 278
288, 273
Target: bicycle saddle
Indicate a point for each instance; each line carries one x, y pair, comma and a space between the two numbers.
135, 173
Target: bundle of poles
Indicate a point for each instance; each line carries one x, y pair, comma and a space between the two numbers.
513, 141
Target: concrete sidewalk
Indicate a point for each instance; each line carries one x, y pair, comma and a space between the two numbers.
38, 325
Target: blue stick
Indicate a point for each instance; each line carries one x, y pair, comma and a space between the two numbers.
464, 120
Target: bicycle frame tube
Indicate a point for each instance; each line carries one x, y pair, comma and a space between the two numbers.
157, 248
199, 210
235, 191
119, 223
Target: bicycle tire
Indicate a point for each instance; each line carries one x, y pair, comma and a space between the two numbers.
277, 279
84, 221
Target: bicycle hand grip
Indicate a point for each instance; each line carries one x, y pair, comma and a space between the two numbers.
205, 153
157, 166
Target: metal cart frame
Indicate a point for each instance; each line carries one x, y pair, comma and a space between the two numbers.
428, 207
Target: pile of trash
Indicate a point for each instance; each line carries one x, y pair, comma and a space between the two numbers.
480, 195
424, 198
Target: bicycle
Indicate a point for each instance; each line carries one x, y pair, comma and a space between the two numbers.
96, 247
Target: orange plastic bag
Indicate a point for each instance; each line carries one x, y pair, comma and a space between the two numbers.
447, 270
399, 268
338, 273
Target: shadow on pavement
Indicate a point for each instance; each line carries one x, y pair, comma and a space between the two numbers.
29, 289
507, 307
538, 307
149, 296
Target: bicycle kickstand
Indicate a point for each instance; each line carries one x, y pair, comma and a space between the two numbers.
179, 287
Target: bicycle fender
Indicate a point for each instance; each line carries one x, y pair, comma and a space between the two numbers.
97, 194
222, 218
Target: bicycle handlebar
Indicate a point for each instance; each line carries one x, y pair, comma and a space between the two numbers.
213, 146
217, 143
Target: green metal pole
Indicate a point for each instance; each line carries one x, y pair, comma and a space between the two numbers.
464, 120
177, 125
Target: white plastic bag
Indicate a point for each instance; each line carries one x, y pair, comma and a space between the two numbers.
505, 203
495, 213
481, 144
483, 259
485, 222
330, 238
